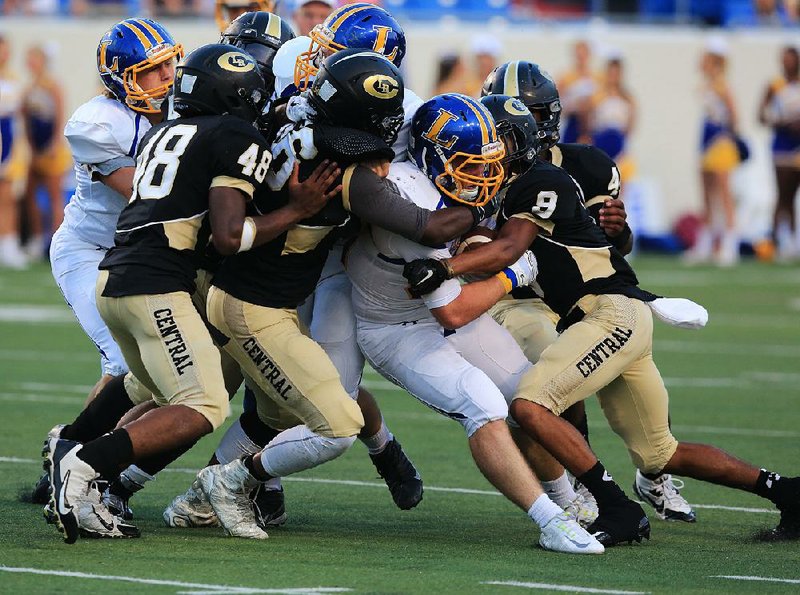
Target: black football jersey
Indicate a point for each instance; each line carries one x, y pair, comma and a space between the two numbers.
574, 255
163, 231
594, 171
284, 272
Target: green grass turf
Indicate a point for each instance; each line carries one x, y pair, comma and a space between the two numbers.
733, 384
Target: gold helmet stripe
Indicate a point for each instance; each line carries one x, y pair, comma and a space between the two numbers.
151, 30
274, 26
347, 12
482, 118
140, 34
511, 80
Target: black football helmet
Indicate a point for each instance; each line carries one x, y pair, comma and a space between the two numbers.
537, 90
360, 89
260, 34
518, 130
218, 79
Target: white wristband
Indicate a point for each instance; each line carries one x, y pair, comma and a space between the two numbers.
248, 234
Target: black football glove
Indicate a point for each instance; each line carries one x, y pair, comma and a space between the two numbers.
425, 275
487, 210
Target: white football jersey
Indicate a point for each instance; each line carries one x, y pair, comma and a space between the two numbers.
411, 103
375, 262
103, 135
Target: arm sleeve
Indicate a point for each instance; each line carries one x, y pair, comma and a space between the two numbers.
446, 293
109, 167
92, 144
377, 201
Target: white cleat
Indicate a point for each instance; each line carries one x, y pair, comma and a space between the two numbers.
564, 534
190, 510
75, 500
663, 494
582, 510
228, 488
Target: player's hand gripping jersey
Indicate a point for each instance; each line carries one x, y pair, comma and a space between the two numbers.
575, 257
163, 232
283, 272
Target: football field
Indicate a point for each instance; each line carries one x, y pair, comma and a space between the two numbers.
734, 384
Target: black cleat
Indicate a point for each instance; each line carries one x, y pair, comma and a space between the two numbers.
622, 522
399, 474
117, 505
269, 506
41, 492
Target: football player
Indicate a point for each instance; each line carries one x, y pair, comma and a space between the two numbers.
226, 11
443, 348
527, 317
328, 313
605, 347
357, 99
136, 63
189, 186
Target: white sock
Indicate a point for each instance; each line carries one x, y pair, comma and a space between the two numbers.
560, 490
235, 444
133, 478
375, 444
543, 510
298, 449
273, 484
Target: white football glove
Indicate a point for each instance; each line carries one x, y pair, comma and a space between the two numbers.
298, 109
522, 272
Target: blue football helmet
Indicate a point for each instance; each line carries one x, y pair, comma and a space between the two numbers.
126, 50
363, 26
454, 142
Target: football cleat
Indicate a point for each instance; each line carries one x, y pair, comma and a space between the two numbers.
41, 491
789, 525
228, 489
563, 534
663, 494
74, 497
191, 509
399, 474
621, 522
582, 509
117, 505
269, 506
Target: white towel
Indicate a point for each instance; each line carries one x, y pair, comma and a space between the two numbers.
679, 312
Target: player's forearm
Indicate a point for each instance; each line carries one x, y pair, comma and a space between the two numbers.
445, 225
270, 226
488, 258
474, 300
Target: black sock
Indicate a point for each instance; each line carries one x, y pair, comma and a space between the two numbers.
777, 489
102, 414
599, 483
151, 466
583, 427
257, 430
108, 454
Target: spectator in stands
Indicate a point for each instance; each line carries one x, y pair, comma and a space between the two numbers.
613, 115
486, 51
310, 13
171, 8
98, 7
10, 95
30, 7
576, 87
453, 77
780, 109
719, 157
43, 114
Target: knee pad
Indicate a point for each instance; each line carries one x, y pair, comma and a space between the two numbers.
137, 392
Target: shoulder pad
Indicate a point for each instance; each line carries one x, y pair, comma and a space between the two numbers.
102, 129
350, 144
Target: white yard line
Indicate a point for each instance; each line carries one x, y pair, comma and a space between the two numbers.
570, 588
36, 314
196, 588
381, 485
765, 579
744, 349
46, 355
